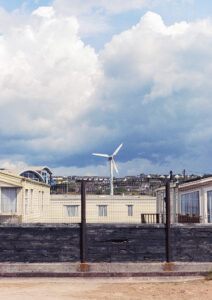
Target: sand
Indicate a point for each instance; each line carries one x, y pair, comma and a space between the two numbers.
107, 289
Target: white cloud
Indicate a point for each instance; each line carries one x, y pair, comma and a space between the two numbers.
12, 165
90, 18
93, 15
45, 12
154, 75
152, 53
102, 170
150, 87
78, 7
133, 167
48, 77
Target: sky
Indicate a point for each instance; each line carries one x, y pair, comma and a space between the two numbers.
79, 77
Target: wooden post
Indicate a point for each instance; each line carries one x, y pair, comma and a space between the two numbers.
168, 224
83, 222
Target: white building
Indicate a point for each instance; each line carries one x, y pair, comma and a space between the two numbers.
191, 201
22, 199
38, 173
27, 200
101, 208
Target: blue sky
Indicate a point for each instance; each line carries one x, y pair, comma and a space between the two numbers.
170, 10
83, 76
19, 4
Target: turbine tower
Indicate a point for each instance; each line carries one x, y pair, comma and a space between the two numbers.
112, 165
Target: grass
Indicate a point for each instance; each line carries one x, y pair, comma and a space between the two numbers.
208, 275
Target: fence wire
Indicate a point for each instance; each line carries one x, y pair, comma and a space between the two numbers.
66, 208
35, 206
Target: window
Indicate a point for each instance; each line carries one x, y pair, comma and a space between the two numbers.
31, 199
72, 210
102, 210
39, 199
32, 175
26, 200
190, 204
42, 200
209, 194
8, 200
130, 210
43, 174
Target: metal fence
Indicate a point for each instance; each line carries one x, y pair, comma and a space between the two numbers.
157, 218
33, 206
66, 208
83, 209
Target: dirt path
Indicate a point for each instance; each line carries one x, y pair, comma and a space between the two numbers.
99, 289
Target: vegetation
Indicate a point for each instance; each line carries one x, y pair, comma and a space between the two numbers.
120, 190
208, 275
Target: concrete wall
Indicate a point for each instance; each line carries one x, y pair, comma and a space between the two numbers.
105, 243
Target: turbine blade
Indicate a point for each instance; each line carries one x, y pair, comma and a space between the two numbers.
115, 166
99, 154
117, 150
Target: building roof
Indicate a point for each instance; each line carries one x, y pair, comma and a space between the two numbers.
190, 184
103, 197
36, 170
21, 178
197, 183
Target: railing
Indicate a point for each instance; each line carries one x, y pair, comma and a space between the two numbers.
161, 218
10, 218
152, 218
188, 219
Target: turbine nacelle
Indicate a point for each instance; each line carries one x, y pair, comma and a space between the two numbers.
111, 157
112, 164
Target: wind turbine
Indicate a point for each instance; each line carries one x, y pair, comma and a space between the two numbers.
112, 165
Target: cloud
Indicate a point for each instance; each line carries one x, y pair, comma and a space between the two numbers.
149, 87
90, 16
94, 15
78, 7
135, 167
157, 83
47, 80
45, 12
131, 167
12, 165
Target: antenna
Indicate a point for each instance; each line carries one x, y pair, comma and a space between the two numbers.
112, 165
184, 174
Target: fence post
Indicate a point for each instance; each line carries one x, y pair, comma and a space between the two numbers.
168, 223
83, 222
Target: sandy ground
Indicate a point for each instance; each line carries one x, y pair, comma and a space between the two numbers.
107, 289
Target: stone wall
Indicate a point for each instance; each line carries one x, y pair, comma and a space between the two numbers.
105, 243
39, 243
192, 243
125, 243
